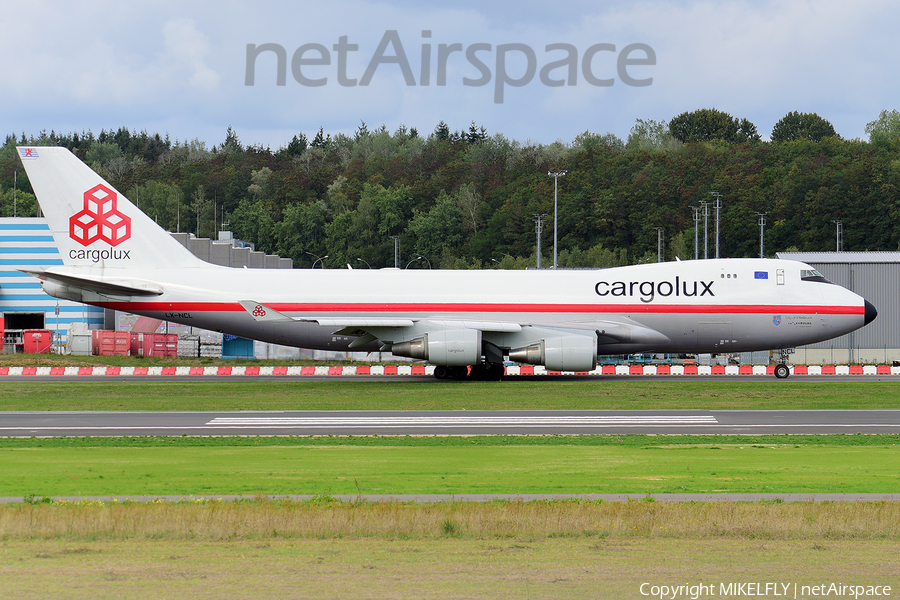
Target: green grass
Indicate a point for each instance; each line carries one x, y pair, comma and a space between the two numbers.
457, 465
453, 569
20, 394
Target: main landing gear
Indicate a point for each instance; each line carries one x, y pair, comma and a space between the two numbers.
443, 372
482, 372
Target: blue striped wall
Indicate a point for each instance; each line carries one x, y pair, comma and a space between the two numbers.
27, 243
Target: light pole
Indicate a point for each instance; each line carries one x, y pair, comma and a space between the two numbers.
368, 266
318, 258
555, 175
840, 235
396, 239
718, 206
696, 210
705, 206
762, 228
659, 244
539, 227
420, 257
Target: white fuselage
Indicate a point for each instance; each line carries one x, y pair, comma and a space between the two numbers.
683, 307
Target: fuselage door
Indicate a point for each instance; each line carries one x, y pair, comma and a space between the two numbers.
779, 276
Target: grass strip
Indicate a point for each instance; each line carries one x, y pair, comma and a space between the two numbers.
627, 441
451, 568
20, 394
327, 518
452, 465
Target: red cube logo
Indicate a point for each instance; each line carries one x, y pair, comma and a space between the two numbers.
100, 219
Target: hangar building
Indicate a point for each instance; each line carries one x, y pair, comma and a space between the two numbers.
876, 277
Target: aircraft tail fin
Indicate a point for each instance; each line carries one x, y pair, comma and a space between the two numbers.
93, 224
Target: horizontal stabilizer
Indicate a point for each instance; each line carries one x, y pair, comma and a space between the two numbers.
116, 287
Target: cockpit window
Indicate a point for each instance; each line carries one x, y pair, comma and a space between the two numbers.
812, 275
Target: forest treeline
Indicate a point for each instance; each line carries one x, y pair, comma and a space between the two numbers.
469, 198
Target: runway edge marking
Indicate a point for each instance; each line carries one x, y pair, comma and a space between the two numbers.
404, 370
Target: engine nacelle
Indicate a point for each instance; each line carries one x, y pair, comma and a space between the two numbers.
448, 347
564, 352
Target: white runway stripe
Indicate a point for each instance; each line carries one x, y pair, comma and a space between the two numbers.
461, 421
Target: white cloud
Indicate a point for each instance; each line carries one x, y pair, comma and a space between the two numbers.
186, 49
180, 67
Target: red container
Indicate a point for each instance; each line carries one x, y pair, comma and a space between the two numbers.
38, 341
164, 344
111, 343
154, 344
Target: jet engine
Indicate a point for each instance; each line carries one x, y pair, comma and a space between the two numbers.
563, 352
449, 347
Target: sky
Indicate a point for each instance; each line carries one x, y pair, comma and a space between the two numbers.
532, 71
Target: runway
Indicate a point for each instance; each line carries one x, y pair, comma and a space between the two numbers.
461, 423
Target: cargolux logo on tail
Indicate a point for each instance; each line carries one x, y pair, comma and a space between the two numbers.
100, 219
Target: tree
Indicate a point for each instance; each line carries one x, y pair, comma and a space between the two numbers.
101, 154
231, 144
476, 135
438, 229
260, 180
802, 126
469, 202
301, 230
650, 135
320, 141
297, 145
442, 131
199, 203
709, 124
886, 128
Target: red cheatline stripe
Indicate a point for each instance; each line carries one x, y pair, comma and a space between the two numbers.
318, 307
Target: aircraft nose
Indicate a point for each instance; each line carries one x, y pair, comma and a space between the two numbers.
871, 312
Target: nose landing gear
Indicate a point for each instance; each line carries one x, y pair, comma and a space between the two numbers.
782, 371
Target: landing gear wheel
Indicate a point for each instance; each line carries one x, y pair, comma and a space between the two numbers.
459, 372
782, 371
488, 372
441, 372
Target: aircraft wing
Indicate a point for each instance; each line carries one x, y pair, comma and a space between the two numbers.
461, 341
263, 313
353, 325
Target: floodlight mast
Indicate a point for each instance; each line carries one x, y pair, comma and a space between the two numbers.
659, 244
696, 210
762, 229
705, 205
539, 227
718, 206
555, 175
